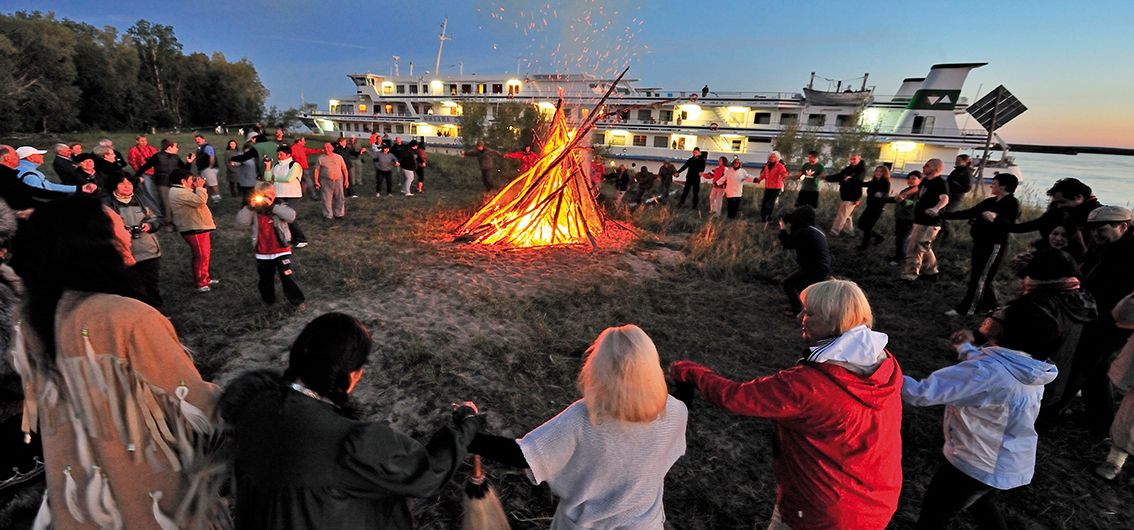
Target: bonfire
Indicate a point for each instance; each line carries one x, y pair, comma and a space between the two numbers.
551, 204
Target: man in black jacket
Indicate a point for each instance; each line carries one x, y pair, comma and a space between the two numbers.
66, 169
164, 162
1107, 276
798, 232
850, 192
960, 182
696, 166
990, 221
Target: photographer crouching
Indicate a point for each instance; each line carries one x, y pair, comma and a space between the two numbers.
271, 241
798, 231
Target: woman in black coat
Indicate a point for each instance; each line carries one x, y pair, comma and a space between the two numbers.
303, 457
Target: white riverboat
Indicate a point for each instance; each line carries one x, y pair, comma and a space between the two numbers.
921, 120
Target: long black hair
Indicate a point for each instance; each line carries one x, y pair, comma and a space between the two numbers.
67, 245
326, 352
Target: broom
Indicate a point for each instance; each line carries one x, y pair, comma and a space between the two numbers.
483, 510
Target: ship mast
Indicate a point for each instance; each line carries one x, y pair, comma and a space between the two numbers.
441, 46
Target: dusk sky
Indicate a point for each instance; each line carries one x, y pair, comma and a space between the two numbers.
1069, 63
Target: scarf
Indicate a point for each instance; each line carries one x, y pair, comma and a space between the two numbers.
1059, 284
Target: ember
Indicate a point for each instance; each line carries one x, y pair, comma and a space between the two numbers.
550, 204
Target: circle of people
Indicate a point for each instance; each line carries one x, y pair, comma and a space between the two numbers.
129, 429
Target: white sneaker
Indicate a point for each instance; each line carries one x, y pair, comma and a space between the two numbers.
952, 313
204, 289
214, 281
377, 194
301, 244
408, 194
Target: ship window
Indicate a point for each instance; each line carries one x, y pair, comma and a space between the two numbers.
399, 128
466, 89
645, 115
401, 89
480, 88
497, 88
762, 118
618, 139
359, 82
452, 90
666, 115
760, 140
567, 113
598, 138
843, 120
737, 145
684, 115
789, 118
387, 89
640, 140
413, 89
661, 141
816, 120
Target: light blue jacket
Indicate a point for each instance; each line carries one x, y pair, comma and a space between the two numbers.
992, 398
30, 174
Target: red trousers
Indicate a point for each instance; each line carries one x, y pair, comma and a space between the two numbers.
201, 247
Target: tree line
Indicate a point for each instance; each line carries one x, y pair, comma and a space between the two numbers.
62, 75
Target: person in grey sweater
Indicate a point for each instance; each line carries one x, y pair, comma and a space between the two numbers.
485, 161
384, 164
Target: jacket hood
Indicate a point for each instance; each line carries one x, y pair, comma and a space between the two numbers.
862, 348
1023, 367
859, 363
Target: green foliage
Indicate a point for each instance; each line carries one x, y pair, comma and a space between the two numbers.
794, 142
60, 75
473, 123
513, 126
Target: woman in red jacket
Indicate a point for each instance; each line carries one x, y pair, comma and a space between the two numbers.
838, 416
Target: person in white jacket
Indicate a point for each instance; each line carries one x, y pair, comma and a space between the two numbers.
733, 180
991, 397
287, 176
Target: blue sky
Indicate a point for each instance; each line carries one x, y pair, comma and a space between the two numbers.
1069, 63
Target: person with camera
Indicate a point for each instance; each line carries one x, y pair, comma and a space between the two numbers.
189, 203
142, 221
271, 241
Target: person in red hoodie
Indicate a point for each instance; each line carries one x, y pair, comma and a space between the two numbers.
299, 153
772, 175
838, 416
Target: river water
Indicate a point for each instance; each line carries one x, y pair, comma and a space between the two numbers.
1111, 177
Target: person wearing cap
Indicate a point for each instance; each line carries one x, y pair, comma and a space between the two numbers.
1108, 277
990, 221
29, 173
991, 397
19, 196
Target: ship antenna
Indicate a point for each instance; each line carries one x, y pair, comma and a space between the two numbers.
441, 45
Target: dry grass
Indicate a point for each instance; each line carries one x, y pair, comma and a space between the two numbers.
507, 329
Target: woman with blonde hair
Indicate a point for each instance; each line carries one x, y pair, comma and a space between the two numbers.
838, 415
606, 455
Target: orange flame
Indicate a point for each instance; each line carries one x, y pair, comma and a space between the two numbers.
550, 204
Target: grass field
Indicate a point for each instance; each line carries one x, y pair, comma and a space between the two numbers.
507, 330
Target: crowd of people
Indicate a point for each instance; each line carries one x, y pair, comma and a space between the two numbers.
129, 427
